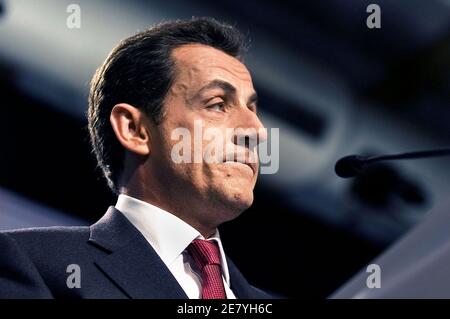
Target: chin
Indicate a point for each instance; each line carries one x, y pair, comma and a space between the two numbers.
234, 203
243, 201
232, 192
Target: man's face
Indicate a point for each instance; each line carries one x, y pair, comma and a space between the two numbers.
216, 89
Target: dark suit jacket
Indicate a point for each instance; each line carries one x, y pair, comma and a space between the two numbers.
115, 261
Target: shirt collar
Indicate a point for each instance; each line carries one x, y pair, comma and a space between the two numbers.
167, 234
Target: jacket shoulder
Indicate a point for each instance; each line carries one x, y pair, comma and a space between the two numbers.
48, 238
19, 277
43, 232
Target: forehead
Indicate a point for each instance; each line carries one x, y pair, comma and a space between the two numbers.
197, 63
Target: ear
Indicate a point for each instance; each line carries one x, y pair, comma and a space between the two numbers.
128, 124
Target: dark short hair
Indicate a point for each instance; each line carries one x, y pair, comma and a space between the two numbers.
139, 71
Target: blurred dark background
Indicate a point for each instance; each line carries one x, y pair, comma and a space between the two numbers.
332, 85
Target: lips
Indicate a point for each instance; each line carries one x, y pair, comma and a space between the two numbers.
240, 158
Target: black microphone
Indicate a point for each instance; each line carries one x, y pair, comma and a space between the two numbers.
352, 165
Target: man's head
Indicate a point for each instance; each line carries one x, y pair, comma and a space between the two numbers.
169, 77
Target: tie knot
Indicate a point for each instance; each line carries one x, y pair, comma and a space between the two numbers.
204, 252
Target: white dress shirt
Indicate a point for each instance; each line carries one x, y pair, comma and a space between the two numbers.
170, 236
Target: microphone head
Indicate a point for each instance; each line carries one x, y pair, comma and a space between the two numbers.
350, 166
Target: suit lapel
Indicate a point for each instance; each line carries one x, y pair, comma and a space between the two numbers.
130, 261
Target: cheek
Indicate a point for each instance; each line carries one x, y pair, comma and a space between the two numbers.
191, 175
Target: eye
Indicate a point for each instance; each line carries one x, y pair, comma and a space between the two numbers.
217, 106
253, 108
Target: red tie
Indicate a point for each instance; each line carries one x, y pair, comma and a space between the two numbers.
206, 256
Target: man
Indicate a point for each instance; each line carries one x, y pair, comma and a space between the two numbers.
161, 238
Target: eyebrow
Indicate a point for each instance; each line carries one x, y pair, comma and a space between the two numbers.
225, 86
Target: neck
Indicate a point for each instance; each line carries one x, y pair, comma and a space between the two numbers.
155, 190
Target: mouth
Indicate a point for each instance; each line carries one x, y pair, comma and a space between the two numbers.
244, 164
239, 160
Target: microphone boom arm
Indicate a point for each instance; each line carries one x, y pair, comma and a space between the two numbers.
411, 155
352, 165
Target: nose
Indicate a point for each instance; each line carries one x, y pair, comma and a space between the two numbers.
250, 132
